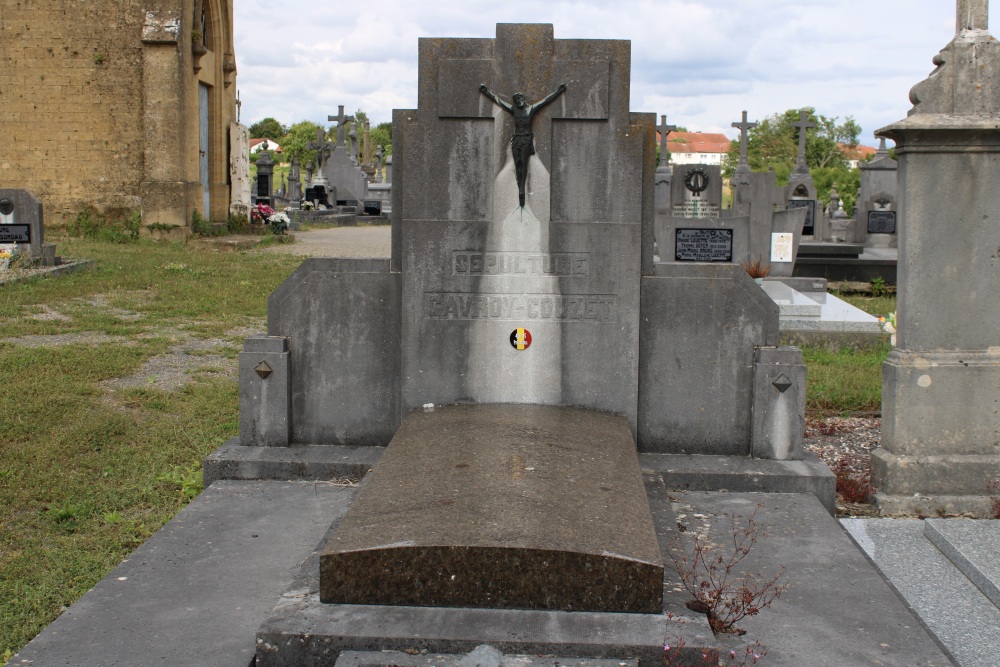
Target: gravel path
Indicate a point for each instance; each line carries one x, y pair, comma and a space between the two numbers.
361, 241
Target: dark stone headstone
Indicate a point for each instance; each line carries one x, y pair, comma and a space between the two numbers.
501, 506
373, 207
809, 228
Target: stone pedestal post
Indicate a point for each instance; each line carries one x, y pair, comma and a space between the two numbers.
941, 387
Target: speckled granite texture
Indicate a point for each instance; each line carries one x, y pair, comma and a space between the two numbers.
501, 506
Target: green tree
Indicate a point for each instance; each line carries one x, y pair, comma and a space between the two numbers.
774, 143
268, 128
297, 138
381, 135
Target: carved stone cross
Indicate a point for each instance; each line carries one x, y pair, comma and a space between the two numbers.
341, 121
744, 127
664, 130
972, 15
322, 148
743, 168
803, 125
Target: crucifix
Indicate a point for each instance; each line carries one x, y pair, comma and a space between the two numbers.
522, 144
743, 168
804, 124
972, 15
341, 121
664, 130
323, 149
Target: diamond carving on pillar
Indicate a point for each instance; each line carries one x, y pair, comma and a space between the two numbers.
782, 383
263, 370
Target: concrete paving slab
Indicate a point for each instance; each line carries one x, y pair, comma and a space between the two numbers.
196, 592
961, 617
296, 462
694, 472
838, 609
972, 545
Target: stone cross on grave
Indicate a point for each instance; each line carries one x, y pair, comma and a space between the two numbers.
804, 124
972, 15
742, 174
664, 130
526, 60
341, 121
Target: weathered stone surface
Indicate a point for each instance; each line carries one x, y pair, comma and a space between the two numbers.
940, 401
265, 392
501, 506
566, 266
341, 318
23, 223
695, 365
779, 403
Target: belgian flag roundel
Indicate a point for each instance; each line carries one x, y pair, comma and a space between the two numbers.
520, 338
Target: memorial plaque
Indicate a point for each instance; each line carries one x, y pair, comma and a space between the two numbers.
15, 234
263, 183
347, 202
373, 207
809, 228
782, 247
881, 222
703, 245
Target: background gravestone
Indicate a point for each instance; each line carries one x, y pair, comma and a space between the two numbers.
696, 191
21, 223
878, 218
476, 266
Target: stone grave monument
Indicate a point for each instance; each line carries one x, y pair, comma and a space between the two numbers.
514, 356
876, 211
342, 170
265, 176
21, 226
940, 386
800, 191
239, 170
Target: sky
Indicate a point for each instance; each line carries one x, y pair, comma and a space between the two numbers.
700, 62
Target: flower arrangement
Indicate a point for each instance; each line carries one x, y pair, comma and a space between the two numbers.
8, 254
260, 214
306, 205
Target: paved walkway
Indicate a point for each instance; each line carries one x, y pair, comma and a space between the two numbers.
361, 241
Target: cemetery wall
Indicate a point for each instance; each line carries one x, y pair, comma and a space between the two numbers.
80, 115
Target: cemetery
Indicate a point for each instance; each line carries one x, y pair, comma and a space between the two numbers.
559, 419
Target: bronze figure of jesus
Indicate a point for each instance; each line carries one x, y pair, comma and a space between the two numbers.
522, 144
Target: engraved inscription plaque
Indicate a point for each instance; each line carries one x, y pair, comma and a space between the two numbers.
809, 228
703, 245
15, 234
881, 222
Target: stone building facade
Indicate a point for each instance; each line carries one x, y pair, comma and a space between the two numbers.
119, 105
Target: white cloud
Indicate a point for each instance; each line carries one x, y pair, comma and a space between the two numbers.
701, 62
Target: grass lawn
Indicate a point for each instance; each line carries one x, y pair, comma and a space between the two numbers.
87, 474
848, 381
89, 469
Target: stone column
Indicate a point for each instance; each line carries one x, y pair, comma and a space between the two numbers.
941, 386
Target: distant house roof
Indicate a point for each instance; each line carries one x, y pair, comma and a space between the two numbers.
858, 152
272, 145
696, 142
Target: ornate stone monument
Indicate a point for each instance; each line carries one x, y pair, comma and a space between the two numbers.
941, 386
